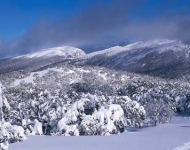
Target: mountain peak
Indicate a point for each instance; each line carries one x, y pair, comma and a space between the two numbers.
64, 51
40, 59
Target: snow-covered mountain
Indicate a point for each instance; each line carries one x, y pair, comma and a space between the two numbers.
162, 58
40, 59
62, 91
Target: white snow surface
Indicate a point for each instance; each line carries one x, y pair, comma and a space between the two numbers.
65, 51
173, 136
32, 76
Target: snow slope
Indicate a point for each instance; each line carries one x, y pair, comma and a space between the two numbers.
173, 136
32, 76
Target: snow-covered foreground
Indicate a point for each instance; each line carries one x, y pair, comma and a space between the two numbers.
173, 136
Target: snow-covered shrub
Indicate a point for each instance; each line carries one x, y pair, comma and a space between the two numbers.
85, 118
46, 113
68, 124
109, 119
134, 111
11, 133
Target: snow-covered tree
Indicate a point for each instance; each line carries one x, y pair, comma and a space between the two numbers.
159, 107
8, 133
183, 103
134, 111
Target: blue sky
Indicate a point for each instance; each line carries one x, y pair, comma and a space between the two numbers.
19, 15
29, 25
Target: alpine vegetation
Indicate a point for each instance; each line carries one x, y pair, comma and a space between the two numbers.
85, 101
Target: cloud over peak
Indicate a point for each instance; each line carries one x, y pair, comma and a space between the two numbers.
115, 19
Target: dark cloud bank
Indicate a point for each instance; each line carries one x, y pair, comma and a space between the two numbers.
118, 20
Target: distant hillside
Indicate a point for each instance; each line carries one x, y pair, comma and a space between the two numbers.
161, 58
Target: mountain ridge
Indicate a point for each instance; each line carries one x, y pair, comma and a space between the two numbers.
159, 58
